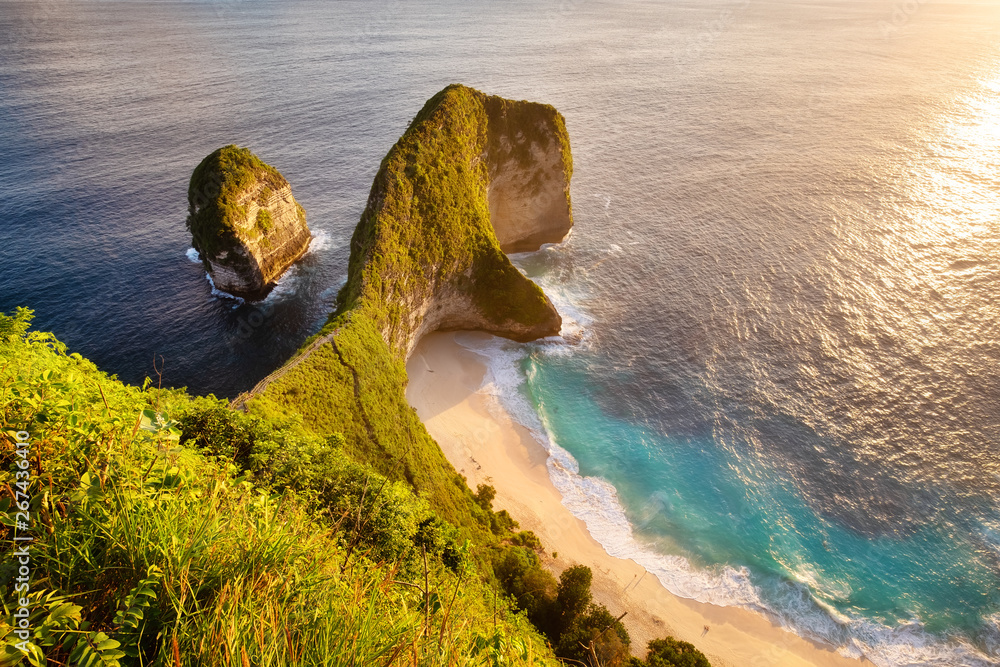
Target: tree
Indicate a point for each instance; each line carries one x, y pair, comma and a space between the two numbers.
520, 574
500, 523
484, 496
572, 595
610, 639
670, 652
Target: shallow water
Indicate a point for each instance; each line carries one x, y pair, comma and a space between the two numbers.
784, 263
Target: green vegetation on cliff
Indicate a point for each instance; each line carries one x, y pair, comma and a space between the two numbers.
321, 525
353, 385
170, 530
427, 221
425, 237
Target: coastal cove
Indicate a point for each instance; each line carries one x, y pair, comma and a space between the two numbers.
486, 446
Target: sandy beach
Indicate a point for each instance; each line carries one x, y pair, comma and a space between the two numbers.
486, 446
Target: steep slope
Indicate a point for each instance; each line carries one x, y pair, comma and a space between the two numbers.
424, 257
166, 529
427, 255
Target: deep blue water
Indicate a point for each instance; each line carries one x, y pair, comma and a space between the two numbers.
785, 260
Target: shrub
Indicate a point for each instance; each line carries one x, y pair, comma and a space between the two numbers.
264, 221
14, 327
441, 539
671, 652
380, 517
502, 523
247, 441
521, 575
485, 495
527, 538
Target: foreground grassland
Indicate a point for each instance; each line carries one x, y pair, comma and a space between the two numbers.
170, 530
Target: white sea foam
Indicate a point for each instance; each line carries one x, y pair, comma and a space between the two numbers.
595, 501
219, 294
287, 284
284, 288
193, 255
321, 240
991, 635
575, 331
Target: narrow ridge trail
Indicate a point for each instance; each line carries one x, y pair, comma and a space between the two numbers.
239, 403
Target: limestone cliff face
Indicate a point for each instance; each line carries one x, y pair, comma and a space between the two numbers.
473, 177
529, 171
244, 222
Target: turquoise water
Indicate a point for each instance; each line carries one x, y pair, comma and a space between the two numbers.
781, 381
722, 507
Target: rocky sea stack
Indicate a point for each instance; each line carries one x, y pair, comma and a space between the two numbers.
244, 222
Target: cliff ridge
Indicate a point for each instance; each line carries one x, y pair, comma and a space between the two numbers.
427, 255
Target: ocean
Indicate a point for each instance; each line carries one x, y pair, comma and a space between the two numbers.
781, 390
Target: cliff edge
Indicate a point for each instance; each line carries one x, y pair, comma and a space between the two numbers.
244, 222
473, 175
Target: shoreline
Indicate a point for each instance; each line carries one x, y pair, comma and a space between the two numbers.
487, 447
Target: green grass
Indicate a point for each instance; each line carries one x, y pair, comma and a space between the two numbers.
155, 551
324, 526
379, 426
